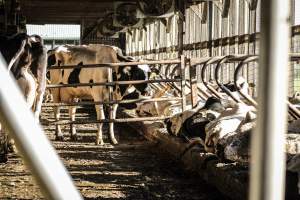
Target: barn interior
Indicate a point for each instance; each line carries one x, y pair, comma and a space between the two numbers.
208, 39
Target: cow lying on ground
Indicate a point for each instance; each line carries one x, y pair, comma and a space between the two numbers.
235, 146
245, 88
156, 108
191, 123
164, 108
228, 121
74, 55
295, 99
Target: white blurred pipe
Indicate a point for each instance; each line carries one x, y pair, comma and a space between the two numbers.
267, 178
31, 141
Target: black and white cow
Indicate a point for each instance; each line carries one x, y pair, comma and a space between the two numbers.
27, 60
74, 55
192, 123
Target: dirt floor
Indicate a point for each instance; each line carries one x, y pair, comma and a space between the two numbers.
130, 170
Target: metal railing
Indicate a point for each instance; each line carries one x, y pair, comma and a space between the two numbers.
182, 62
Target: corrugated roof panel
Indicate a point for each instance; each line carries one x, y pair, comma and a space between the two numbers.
55, 31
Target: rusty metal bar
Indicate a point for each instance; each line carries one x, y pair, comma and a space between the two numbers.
234, 58
105, 65
293, 111
206, 84
124, 120
183, 81
112, 83
236, 74
295, 56
221, 85
143, 100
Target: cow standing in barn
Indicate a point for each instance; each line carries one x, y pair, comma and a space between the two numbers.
78, 55
27, 61
27, 58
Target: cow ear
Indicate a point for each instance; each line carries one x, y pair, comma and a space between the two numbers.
127, 70
35, 39
152, 75
51, 60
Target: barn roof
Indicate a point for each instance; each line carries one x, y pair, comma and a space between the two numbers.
65, 11
55, 31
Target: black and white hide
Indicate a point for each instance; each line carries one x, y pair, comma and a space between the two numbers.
192, 123
295, 99
26, 57
235, 146
227, 122
27, 60
293, 175
78, 55
227, 101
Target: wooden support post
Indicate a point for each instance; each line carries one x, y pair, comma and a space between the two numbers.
183, 81
122, 41
82, 24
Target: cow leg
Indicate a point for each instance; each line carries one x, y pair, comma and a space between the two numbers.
28, 86
41, 80
112, 114
58, 134
38, 102
100, 115
72, 111
3, 146
9, 142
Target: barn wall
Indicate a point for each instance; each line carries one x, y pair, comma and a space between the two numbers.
238, 33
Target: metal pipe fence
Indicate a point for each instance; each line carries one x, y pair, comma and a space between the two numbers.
240, 61
182, 62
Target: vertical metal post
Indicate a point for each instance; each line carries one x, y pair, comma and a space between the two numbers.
210, 26
110, 91
210, 34
267, 148
32, 142
183, 81
180, 28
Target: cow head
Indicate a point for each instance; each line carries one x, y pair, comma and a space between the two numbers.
134, 73
16, 50
51, 58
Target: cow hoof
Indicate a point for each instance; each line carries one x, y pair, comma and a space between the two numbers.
11, 147
114, 141
59, 138
74, 137
3, 158
99, 142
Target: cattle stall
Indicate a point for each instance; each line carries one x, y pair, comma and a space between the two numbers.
221, 120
